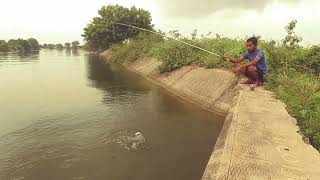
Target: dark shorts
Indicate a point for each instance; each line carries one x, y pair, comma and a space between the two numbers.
260, 73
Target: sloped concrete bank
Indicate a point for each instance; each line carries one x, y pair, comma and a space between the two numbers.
259, 139
212, 89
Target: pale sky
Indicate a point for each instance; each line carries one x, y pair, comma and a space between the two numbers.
59, 21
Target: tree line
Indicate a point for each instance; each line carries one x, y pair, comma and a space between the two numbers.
22, 45
32, 44
68, 46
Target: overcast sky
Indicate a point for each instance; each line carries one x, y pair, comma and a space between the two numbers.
59, 21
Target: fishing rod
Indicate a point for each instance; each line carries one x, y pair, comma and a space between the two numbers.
163, 35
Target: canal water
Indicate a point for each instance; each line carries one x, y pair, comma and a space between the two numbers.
70, 116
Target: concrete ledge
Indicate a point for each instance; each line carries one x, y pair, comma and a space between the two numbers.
260, 140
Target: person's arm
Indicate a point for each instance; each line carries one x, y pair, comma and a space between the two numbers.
234, 60
252, 63
258, 58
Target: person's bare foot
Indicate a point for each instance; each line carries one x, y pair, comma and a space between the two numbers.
258, 83
248, 81
252, 87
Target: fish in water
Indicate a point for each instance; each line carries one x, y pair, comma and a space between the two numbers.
137, 140
129, 140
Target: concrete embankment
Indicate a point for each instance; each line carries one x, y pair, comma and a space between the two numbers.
212, 89
259, 139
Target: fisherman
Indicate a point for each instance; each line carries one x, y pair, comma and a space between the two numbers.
256, 69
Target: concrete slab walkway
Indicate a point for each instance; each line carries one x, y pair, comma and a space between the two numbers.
261, 141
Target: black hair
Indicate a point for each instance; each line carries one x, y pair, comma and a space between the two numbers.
254, 40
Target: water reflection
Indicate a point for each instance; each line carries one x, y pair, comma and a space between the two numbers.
119, 85
68, 52
27, 56
75, 52
12, 57
113, 78
4, 56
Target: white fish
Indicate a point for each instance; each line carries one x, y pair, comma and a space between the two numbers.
128, 140
137, 140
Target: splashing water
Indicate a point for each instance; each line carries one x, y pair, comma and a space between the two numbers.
129, 139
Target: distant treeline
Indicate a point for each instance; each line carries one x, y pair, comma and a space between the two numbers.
22, 45
67, 46
32, 44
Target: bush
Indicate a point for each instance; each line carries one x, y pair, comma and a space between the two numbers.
301, 93
175, 55
135, 48
221, 46
310, 60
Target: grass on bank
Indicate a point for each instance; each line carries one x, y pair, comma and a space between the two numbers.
294, 70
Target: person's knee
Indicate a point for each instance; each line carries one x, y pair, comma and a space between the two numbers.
252, 69
240, 71
239, 64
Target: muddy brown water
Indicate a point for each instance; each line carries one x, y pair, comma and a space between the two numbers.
68, 115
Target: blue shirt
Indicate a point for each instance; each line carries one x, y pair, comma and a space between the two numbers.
262, 64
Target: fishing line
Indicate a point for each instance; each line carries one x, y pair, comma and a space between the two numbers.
147, 30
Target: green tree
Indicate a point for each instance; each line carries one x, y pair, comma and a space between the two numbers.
175, 33
4, 46
103, 31
33, 43
291, 39
59, 46
24, 45
75, 44
67, 46
51, 46
14, 44
194, 34
45, 46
